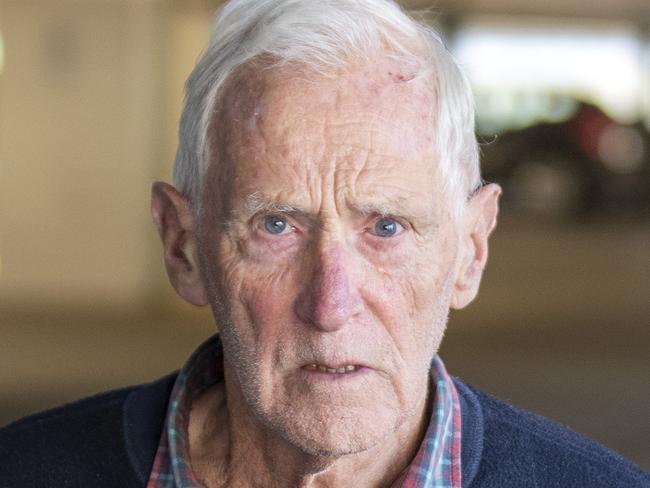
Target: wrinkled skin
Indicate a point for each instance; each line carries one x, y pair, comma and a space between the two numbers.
325, 241
329, 290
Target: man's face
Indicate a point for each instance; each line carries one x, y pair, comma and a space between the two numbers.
332, 279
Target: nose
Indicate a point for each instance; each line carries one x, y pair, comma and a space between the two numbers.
328, 299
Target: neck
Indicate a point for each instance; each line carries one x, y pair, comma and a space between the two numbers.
229, 446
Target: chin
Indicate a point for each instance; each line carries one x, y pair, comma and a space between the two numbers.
333, 431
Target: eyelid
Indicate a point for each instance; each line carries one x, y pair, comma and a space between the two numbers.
260, 216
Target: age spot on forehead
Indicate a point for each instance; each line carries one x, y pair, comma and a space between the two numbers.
400, 78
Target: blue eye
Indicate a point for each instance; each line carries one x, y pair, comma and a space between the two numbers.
276, 225
387, 227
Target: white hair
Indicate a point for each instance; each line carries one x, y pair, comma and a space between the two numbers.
324, 36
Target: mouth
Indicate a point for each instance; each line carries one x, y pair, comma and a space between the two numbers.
339, 370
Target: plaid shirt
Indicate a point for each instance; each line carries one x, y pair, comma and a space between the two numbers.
436, 465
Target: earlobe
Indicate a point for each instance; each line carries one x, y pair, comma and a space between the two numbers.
172, 217
480, 220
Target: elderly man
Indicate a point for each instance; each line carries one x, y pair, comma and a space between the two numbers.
329, 209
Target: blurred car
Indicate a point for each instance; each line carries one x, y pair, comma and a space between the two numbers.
581, 166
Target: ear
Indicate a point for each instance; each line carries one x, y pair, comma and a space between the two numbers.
477, 225
175, 223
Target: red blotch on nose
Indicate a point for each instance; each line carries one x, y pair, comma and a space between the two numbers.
326, 301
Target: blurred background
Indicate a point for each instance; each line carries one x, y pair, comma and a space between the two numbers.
90, 93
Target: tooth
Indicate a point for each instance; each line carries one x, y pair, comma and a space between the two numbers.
325, 369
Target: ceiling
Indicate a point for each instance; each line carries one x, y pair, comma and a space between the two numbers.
637, 11
634, 10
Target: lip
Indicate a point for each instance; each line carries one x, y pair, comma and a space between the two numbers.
335, 364
318, 374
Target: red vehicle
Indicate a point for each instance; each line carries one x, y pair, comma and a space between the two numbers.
585, 165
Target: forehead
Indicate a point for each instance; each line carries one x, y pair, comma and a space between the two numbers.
367, 131
386, 97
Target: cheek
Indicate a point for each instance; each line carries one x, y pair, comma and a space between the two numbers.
409, 285
407, 306
260, 303
268, 299
411, 299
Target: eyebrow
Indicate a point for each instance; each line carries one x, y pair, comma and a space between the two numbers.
389, 206
258, 202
